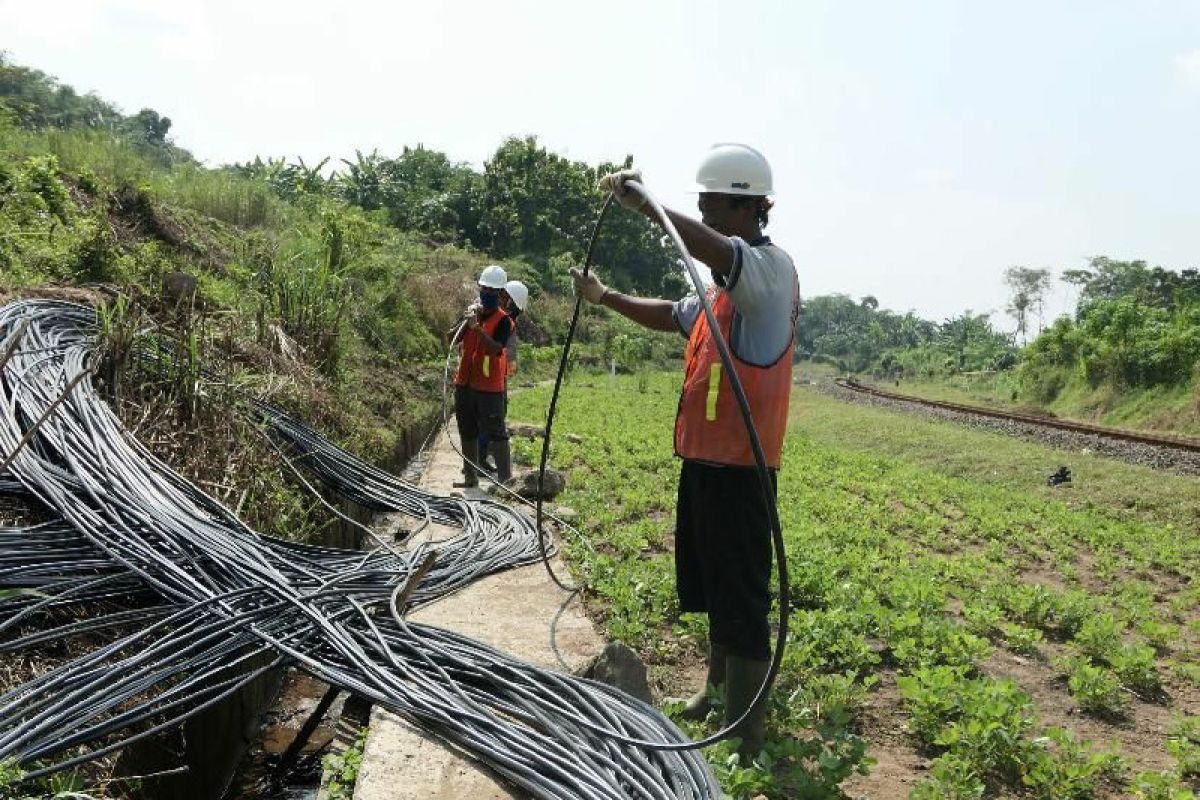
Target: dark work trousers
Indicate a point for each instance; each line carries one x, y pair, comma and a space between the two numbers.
723, 554
480, 413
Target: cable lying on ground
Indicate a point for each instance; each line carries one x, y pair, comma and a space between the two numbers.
198, 605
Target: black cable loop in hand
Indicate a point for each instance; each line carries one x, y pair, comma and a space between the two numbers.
558, 379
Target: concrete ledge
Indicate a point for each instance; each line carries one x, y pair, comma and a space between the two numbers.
511, 611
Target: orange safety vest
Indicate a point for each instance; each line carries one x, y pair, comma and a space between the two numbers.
477, 369
709, 425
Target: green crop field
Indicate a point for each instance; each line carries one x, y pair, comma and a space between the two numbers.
959, 629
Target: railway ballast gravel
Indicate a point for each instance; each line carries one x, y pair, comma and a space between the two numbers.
1162, 456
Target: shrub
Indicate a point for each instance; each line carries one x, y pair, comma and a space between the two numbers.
1096, 689
1134, 665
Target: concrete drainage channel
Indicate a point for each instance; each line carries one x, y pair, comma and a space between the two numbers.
511, 611
249, 746
285, 760
235, 749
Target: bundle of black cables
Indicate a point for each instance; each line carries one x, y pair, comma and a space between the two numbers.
175, 603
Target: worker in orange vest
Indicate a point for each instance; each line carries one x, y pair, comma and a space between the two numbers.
481, 379
514, 298
723, 532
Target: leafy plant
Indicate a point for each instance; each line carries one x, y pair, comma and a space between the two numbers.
1184, 745
1134, 666
990, 733
342, 768
934, 698
1161, 786
1069, 770
1021, 639
1096, 689
951, 778
1099, 638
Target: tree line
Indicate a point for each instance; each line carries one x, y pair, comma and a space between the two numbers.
528, 206
1134, 325
858, 336
31, 99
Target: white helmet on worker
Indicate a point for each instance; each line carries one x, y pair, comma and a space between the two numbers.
730, 168
518, 292
493, 277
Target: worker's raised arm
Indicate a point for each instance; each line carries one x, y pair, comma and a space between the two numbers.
648, 312
702, 242
490, 346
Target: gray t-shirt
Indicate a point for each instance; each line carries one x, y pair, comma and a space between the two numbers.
762, 285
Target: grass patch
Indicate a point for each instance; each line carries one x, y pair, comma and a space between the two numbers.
1167, 409
1127, 490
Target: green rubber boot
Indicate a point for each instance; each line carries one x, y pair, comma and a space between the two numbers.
503, 454
700, 704
470, 451
745, 676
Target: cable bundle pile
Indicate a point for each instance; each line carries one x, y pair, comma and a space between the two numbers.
197, 604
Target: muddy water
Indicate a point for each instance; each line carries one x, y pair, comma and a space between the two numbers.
258, 776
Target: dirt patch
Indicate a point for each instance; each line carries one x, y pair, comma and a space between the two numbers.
899, 765
682, 678
1140, 737
69, 294
134, 214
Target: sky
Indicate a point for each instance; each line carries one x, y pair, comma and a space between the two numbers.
918, 148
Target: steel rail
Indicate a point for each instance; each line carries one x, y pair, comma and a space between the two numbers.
1174, 442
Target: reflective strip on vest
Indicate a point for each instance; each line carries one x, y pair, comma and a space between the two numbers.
487, 365
714, 389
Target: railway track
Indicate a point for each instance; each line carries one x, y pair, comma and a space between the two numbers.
1182, 443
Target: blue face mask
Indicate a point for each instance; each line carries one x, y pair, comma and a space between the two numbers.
490, 301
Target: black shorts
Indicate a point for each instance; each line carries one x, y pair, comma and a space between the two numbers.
480, 412
723, 554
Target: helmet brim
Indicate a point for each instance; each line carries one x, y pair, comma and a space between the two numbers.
700, 188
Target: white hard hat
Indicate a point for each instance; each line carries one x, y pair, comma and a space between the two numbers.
518, 292
730, 168
493, 277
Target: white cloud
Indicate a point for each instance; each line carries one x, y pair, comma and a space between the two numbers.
35, 25
1188, 67
934, 177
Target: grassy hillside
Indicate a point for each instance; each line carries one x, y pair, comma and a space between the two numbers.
317, 305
